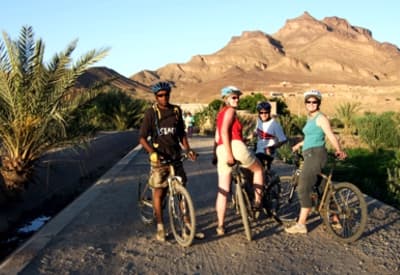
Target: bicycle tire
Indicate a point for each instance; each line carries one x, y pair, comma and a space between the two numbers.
247, 201
346, 202
271, 198
243, 212
145, 203
180, 205
289, 204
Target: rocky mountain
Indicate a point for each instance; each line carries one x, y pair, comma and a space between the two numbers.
103, 74
305, 52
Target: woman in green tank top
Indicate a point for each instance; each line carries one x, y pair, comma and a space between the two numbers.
315, 156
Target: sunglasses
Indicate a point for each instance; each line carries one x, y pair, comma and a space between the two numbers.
263, 113
311, 102
235, 97
162, 95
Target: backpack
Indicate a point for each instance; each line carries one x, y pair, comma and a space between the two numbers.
157, 117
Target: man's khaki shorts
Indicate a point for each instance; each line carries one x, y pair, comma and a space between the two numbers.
159, 175
240, 153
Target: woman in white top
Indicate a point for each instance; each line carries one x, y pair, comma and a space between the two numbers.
269, 133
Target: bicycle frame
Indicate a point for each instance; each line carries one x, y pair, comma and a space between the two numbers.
171, 177
328, 186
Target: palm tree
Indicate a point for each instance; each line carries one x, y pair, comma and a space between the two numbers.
346, 113
35, 101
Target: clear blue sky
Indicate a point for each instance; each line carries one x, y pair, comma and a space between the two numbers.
149, 34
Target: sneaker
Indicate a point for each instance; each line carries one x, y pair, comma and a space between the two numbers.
220, 231
160, 236
297, 228
199, 235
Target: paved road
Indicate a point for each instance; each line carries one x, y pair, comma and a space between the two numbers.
62, 174
100, 233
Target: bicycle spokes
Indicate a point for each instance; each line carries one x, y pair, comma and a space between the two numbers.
346, 212
181, 215
146, 204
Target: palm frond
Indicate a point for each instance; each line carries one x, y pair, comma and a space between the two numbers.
13, 66
25, 46
35, 100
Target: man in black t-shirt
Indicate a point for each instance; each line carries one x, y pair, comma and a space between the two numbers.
164, 124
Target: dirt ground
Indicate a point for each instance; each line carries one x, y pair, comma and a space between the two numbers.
107, 236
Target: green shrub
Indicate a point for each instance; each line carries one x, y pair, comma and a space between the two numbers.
216, 104
336, 123
112, 110
346, 112
205, 119
379, 131
249, 102
285, 153
368, 170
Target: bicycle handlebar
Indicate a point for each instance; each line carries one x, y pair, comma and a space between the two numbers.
184, 156
298, 157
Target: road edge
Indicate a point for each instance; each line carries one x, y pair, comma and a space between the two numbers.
21, 257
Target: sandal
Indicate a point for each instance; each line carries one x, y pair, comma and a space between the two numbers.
220, 231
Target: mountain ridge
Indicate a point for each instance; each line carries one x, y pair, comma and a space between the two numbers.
305, 52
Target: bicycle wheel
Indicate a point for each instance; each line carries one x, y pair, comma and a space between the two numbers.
345, 212
289, 204
271, 199
145, 203
181, 215
243, 212
247, 198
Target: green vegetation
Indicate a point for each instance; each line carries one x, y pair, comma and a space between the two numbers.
394, 184
36, 100
368, 170
346, 114
110, 110
380, 131
205, 120
249, 102
292, 125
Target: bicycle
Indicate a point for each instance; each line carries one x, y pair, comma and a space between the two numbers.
341, 206
243, 205
181, 211
289, 202
271, 190
244, 196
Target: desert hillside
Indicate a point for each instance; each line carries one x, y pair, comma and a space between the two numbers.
342, 60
